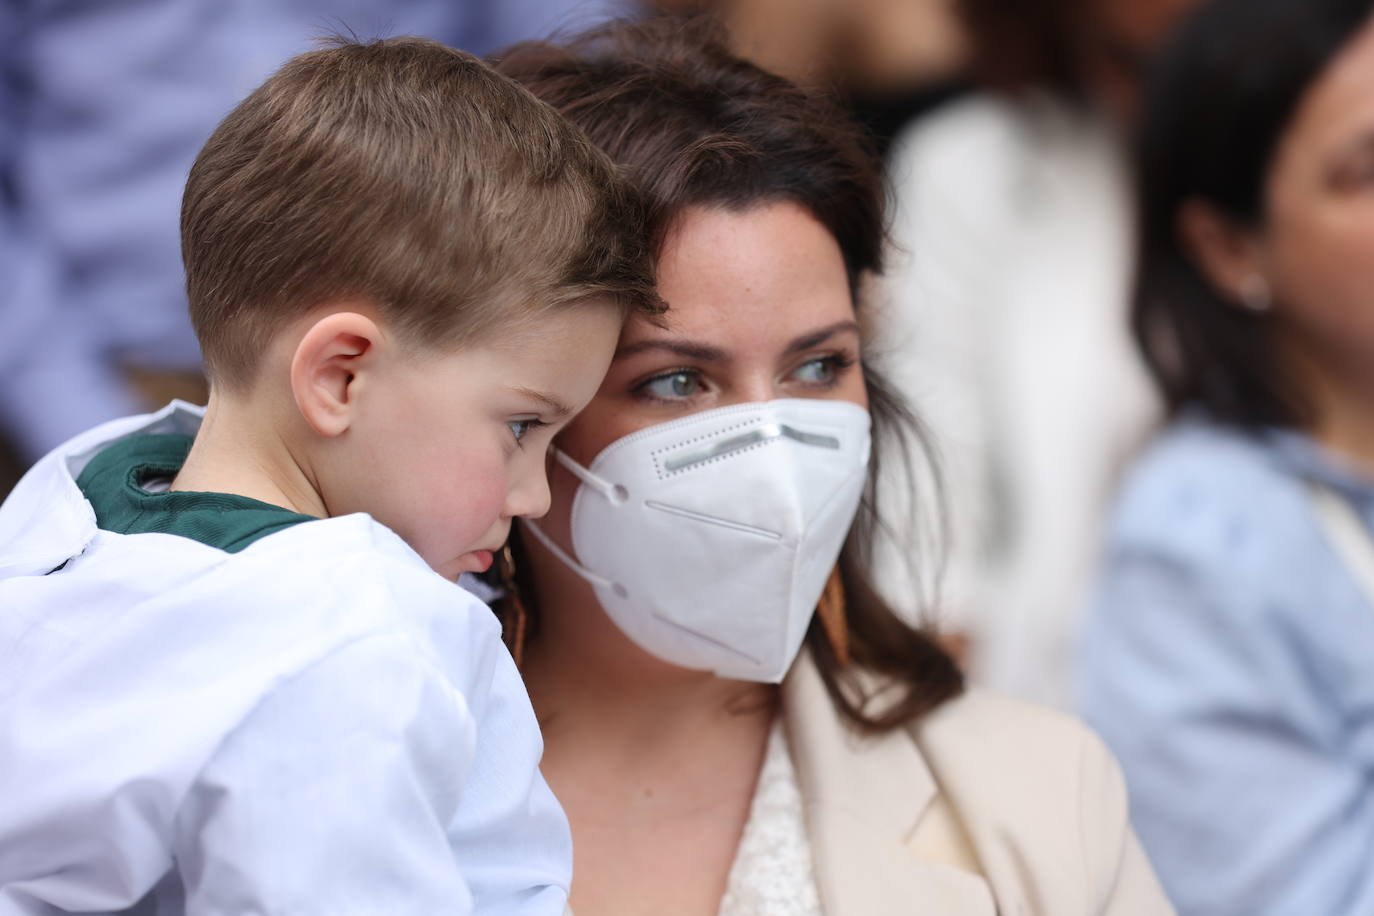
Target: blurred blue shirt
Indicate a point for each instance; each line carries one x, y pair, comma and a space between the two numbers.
103, 107
1228, 660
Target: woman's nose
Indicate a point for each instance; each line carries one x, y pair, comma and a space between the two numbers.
753, 387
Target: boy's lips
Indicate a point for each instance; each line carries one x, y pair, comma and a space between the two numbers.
483, 558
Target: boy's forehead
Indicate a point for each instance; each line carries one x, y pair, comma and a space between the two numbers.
549, 325
547, 344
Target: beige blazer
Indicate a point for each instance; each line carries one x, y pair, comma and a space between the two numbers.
987, 806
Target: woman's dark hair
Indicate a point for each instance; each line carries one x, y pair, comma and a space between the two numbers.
693, 125
1219, 99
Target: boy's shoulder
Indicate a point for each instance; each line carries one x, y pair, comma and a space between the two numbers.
353, 567
321, 679
308, 589
168, 606
95, 605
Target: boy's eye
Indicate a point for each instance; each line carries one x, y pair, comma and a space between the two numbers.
519, 428
672, 386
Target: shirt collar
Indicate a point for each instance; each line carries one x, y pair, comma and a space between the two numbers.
46, 520
1298, 454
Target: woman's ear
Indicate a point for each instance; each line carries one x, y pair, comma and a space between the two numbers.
1227, 253
331, 366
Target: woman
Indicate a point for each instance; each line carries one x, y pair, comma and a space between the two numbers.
1227, 657
709, 519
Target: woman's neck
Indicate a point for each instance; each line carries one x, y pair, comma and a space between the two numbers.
1348, 436
656, 766
1342, 402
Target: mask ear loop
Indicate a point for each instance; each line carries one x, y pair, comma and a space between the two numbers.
600, 581
614, 493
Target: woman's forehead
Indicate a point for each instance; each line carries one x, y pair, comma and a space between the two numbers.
763, 274
1338, 107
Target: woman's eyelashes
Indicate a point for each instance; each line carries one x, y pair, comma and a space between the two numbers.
823, 371
674, 385
682, 385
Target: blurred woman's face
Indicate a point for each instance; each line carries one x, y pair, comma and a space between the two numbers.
759, 309
1316, 244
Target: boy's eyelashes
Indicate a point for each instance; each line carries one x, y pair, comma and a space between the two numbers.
520, 428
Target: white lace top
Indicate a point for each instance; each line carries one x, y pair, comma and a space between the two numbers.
773, 873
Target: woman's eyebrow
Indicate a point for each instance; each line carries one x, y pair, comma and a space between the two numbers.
688, 349
817, 337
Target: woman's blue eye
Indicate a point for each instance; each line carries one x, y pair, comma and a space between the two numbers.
817, 371
672, 386
519, 428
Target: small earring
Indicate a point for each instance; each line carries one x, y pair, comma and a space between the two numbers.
1254, 294
515, 620
831, 610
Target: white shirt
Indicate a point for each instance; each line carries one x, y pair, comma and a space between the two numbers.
316, 724
773, 874
1006, 327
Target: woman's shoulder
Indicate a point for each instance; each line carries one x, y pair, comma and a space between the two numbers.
1024, 797
1018, 746
1192, 444
1200, 487
1039, 794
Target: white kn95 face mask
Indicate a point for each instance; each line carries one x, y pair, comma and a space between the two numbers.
709, 539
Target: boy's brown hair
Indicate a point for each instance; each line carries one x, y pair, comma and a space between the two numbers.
411, 176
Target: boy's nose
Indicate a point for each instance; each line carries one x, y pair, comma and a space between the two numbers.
529, 495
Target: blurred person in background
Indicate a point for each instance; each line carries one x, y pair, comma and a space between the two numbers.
1229, 655
1006, 321
889, 61
102, 109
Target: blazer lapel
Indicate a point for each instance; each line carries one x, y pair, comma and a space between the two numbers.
865, 798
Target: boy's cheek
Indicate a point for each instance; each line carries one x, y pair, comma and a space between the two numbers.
475, 508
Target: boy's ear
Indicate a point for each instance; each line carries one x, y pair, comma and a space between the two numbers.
329, 369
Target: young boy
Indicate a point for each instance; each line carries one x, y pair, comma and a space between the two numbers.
236, 674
